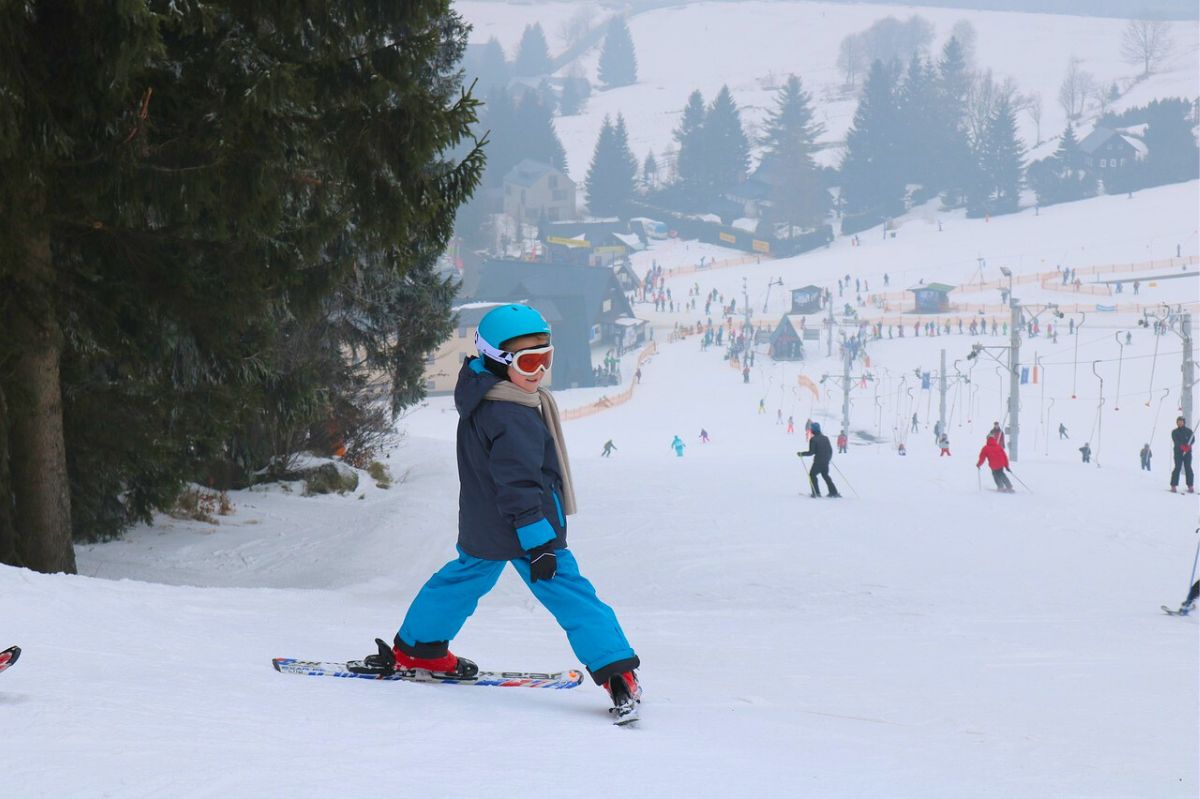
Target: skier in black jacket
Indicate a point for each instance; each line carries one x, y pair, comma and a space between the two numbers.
1182, 440
822, 453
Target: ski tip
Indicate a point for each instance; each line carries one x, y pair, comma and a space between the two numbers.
277, 662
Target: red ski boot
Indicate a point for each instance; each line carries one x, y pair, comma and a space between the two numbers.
390, 659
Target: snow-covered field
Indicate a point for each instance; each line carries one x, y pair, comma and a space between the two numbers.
923, 637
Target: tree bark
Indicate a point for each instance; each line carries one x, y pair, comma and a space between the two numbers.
37, 454
8, 530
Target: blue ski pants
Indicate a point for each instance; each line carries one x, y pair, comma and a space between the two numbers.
450, 596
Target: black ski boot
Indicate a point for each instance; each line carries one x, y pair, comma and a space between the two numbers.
626, 694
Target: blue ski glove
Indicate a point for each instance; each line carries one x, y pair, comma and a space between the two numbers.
543, 563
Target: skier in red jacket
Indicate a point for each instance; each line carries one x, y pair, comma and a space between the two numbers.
997, 461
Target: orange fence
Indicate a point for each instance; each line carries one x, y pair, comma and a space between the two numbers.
606, 402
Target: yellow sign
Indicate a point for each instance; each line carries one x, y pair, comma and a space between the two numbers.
729, 237
568, 242
761, 246
615, 249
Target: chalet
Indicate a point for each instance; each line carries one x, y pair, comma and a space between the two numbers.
534, 191
787, 340
932, 297
1105, 150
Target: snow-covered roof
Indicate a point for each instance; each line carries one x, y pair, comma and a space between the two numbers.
631, 241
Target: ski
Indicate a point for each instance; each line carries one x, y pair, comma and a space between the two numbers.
500, 679
1171, 612
9, 656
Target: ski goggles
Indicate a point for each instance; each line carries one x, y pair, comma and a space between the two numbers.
527, 362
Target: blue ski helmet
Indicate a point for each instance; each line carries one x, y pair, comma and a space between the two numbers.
502, 324
815, 427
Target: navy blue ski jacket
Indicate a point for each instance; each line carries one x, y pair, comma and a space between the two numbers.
509, 478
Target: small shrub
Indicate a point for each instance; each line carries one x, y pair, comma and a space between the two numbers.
380, 474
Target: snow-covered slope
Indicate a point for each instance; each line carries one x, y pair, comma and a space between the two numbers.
920, 638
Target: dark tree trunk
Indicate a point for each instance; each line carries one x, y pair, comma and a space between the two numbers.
37, 452
8, 530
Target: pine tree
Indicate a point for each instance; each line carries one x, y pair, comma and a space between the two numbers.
533, 55
954, 163
690, 163
618, 60
871, 175
180, 196
489, 70
1062, 177
534, 134
797, 196
918, 108
1171, 156
725, 143
610, 179
650, 171
997, 189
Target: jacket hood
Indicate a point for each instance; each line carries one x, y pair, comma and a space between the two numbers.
474, 382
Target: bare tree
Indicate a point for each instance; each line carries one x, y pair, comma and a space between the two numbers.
852, 58
1146, 42
578, 26
964, 31
1077, 85
1031, 104
984, 96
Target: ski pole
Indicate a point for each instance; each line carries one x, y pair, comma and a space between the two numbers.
847, 482
807, 476
1192, 579
979, 478
1019, 480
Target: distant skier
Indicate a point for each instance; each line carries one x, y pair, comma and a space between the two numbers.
997, 460
807, 429
779, 416
745, 374
1086, 452
791, 428
678, 446
1145, 456
703, 436
914, 423
822, 454
762, 406
1062, 431
900, 450
944, 443
997, 433
1182, 439
841, 442
609, 446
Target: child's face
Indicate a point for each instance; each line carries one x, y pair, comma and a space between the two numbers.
525, 382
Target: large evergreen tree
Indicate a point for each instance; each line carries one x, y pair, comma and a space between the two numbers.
797, 196
185, 185
1172, 155
690, 162
611, 177
872, 176
953, 165
918, 108
533, 54
1062, 177
618, 60
726, 147
999, 157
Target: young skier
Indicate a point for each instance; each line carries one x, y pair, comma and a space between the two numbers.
1086, 452
515, 493
1182, 441
944, 444
997, 460
842, 441
1062, 431
1145, 456
822, 454
609, 446
703, 436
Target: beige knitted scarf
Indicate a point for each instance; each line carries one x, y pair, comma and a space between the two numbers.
543, 400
